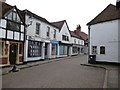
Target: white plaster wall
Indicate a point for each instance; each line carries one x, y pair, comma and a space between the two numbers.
105, 34
64, 31
78, 41
31, 30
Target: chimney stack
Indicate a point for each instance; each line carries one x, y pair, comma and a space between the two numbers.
78, 30
118, 4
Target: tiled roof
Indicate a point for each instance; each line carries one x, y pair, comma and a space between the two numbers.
5, 8
59, 24
36, 16
84, 36
108, 14
74, 35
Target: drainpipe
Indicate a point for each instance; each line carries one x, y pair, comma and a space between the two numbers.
88, 41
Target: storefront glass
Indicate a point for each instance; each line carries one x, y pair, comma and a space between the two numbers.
34, 49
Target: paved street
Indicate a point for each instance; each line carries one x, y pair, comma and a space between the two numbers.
60, 74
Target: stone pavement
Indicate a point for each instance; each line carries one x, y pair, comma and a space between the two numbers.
112, 76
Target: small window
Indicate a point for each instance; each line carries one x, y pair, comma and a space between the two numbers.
102, 50
37, 28
54, 35
94, 49
48, 31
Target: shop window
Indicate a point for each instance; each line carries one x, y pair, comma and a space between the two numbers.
102, 50
34, 49
75, 50
20, 48
53, 49
94, 49
82, 50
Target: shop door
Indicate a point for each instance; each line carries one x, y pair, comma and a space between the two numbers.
13, 54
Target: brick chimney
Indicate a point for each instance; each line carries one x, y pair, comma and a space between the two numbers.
118, 4
78, 30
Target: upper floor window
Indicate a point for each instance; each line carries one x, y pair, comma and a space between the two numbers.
94, 49
13, 16
37, 28
13, 26
54, 35
75, 41
65, 38
14, 22
102, 50
48, 32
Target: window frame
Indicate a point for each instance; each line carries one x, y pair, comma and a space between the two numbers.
102, 50
48, 31
94, 50
38, 28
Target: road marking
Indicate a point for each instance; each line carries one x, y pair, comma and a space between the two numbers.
105, 80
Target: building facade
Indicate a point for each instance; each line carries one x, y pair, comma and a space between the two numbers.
65, 45
104, 34
77, 44
41, 38
11, 35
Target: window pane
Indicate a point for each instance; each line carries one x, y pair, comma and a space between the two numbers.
102, 50
10, 16
48, 31
13, 26
14, 16
37, 28
18, 18
94, 49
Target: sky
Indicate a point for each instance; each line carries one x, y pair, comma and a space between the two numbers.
73, 11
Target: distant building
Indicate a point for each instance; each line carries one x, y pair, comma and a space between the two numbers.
65, 44
104, 35
78, 39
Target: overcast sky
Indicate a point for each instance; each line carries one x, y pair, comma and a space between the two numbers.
74, 11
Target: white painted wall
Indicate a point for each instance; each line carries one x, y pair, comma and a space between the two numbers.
31, 30
105, 34
64, 31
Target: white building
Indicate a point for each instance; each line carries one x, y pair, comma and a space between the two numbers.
77, 44
104, 35
65, 45
11, 35
41, 38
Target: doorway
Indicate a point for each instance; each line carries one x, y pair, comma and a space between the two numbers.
13, 54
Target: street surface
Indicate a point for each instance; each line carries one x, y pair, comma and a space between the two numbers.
66, 73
